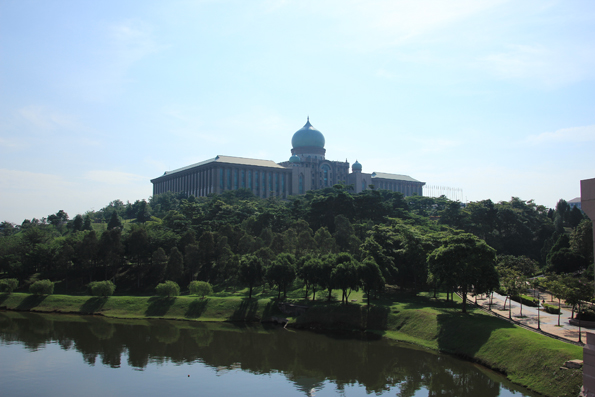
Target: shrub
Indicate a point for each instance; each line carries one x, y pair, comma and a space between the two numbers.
8, 284
526, 300
42, 287
102, 288
168, 288
551, 309
586, 315
201, 288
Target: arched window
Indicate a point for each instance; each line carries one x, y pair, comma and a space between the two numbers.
301, 184
325, 174
364, 184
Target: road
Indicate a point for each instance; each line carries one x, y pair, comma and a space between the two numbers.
530, 317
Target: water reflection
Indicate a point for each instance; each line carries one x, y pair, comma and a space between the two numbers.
306, 359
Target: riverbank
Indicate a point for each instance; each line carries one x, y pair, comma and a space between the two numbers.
527, 358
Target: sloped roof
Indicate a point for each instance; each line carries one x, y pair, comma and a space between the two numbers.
396, 177
229, 160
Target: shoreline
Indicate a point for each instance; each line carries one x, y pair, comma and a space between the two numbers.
525, 358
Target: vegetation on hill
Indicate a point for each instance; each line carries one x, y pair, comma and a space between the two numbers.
180, 238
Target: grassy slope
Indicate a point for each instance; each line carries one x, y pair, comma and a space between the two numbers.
527, 358
178, 308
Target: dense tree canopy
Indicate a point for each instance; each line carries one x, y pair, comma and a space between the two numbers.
238, 240
462, 262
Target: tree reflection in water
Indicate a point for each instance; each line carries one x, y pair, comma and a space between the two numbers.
306, 359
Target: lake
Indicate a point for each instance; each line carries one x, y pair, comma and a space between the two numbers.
64, 355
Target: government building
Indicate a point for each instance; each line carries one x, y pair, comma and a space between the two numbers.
306, 169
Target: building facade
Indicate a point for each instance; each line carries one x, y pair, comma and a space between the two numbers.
307, 169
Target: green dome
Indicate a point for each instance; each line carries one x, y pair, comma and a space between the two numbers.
295, 159
356, 166
307, 136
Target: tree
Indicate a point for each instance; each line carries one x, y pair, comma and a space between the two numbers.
188, 238
251, 272
114, 222
557, 289
305, 244
201, 288
325, 243
461, 261
345, 235
88, 252
325, 279
77, 223
168, 288
102, 288
575, 291
345, 275
575, 217
87, 223
488, 282
208, 254
563, 241
309, 273
512, 282
7, 285
110, 249
563, 209
139, 248
521, 264
7, 229
58, 219
371, 277
192, 260
566, 261
159, 262
42, 287
282, 272
143, 214
581, 240
175, 265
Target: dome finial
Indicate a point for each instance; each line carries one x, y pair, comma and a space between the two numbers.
356, 166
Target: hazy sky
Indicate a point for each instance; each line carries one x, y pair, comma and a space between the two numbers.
496, 98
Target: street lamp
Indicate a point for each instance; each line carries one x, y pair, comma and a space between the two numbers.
538, 317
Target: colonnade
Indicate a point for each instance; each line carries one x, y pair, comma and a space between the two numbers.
263, 182
407, 188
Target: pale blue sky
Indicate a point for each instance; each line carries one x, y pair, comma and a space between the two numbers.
98, 97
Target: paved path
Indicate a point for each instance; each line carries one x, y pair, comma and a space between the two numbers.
530, 317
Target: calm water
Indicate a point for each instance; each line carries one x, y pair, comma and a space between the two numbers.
58, 355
